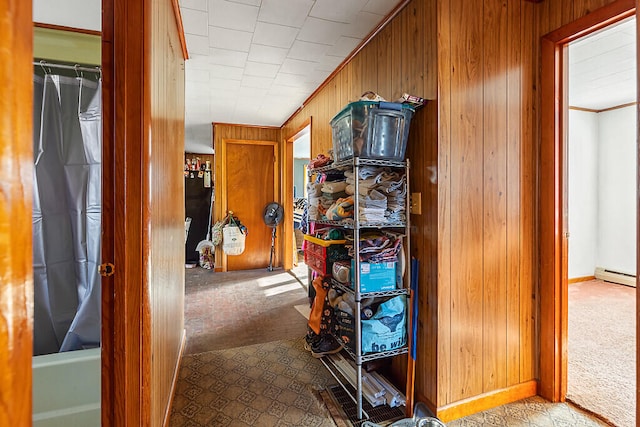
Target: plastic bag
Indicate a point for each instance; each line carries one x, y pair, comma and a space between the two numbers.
232, 240
386, 330
216, 232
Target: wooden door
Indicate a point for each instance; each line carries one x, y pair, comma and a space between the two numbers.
250, 185
16, 273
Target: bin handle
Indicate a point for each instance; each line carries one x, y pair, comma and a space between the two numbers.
391, 105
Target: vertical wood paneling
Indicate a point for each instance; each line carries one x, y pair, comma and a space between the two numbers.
495, 194
466, 200
444, 370
412, 70
529, 302
385, 61
165, 217
513, 180
16, 271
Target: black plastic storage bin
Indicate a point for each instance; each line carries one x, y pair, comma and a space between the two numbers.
371, 129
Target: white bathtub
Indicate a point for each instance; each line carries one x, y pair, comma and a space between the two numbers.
66, 389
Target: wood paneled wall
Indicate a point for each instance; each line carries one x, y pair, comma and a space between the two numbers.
165, 217
223, 132
143, 120
16, 257
474, 152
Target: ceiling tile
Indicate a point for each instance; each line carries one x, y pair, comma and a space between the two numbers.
231, 58
217, 84
291, 13
197, 44
321, 31
337, 10
259, 69
249, 2
344, 47
195, 22
194, 4
379, 7
224, 72
257, 82
307, 51
296, 66
362, 26
267, 54
328, 63
196, 75
224, 38
274, 35
227, 14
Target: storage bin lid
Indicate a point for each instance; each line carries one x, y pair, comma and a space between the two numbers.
398, 106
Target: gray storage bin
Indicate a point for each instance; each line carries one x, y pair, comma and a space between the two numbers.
371, 129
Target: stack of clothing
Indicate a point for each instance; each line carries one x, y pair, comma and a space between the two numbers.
378, 246
382, 195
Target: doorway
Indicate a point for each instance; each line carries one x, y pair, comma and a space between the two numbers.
297, 151
601, 162
554, 231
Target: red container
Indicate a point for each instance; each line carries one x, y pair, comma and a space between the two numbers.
317, 251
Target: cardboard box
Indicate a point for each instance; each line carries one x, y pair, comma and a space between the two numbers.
375, 277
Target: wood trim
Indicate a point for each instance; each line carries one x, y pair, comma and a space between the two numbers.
174, 381
348, 59
125, 65
486, 401
590, 110
581, 279
594, 21
245, 126
109, 404
553, 203
586, 110
178, 16
287, 196
69, 29
617, 107
16, 255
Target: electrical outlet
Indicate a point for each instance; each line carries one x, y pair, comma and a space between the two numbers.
416, 204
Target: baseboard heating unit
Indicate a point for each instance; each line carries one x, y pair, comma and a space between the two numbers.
615, 277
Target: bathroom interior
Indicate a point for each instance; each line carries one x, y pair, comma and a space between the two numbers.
67, 198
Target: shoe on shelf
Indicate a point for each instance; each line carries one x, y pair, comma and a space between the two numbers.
326, 345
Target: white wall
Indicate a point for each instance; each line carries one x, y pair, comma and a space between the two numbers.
602, 191
617, 190
85, 14
583, 192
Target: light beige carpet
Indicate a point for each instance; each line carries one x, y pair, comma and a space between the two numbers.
273, 384
602, 350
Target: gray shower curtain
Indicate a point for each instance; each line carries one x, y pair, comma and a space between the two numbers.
67, 213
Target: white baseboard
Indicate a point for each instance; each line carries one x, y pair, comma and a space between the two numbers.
615, 277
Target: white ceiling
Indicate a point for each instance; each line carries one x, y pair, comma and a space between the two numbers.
602, 68
256, 61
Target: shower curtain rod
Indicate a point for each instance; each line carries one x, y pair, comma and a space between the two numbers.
68, 67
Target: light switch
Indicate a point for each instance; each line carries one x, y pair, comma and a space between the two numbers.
416, 203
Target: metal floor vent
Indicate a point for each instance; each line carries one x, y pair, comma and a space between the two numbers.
380, 415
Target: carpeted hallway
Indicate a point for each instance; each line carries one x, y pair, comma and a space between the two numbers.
245, 365
602, 350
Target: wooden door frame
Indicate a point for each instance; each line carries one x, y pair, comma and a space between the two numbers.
287, 192
221, 190
16, 255
553, 193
